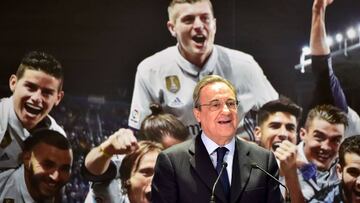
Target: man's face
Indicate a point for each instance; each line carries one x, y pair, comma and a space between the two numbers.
321, 142
194, 27
350, 177
47, 170
219, 125
140, 181
278, 127
34, 95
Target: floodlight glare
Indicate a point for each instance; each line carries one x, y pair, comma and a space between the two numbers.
339, 37
306, 50
351, 34
329, 41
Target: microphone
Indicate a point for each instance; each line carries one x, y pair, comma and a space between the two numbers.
287, 199
223, 166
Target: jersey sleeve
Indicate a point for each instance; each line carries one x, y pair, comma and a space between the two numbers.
141, 98
261, 87
328, 89
269, 92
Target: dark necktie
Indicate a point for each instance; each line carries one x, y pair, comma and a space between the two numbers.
224, 179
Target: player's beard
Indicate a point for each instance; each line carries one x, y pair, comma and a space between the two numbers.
348, 192
38, 182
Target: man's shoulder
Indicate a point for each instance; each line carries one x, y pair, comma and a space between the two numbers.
331, 193
6, 174
5, 106
177, 155
234, 53
4, 99
55, 126
9, 177
162, 57
13, 186
252, 148
180, 148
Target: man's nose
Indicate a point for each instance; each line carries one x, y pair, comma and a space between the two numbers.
283, 134
325, 145
358, 183
198, 24
37, 96
225, 108
148, 192
55, 175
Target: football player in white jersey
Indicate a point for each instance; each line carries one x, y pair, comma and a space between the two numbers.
169, 76
37, 88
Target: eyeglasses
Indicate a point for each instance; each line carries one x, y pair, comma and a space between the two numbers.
215, 105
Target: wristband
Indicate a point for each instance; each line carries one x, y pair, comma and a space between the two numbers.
105, 154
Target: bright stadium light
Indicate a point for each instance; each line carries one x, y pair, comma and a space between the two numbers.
329, 41
306, 50
351, 33
339, 37
340, 44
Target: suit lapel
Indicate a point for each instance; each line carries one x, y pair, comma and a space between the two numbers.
202, 165
241, 171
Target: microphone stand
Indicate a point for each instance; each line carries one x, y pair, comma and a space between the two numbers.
212, 198
287, 196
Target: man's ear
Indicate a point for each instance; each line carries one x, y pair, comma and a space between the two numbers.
257, 133
12, 82
26, 157
339, 171
60, 95
170, 25
302, 133
197, 112
215, 24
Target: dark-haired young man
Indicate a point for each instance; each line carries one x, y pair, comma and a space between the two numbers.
347, 190
47, 159
277, 121
37, 88
321, 137
276, 130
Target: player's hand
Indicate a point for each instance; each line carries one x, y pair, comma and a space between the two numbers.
122, 141
320, 5
286, 153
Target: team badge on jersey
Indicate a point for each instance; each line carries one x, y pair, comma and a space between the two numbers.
172, 83
135, 116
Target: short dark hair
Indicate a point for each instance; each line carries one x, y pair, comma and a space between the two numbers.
131, 161
159, 124
41, 61
47, 136
349, 145
327, 113
282, 104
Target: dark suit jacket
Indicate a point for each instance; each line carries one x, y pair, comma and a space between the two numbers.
185, 173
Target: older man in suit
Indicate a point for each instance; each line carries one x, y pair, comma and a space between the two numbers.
187, 172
